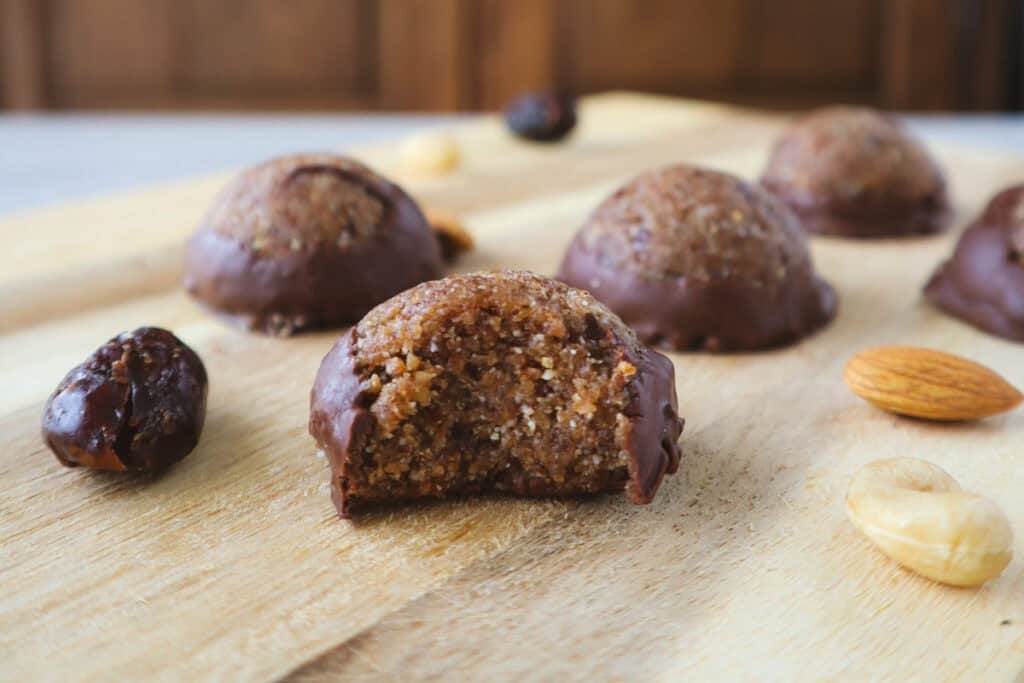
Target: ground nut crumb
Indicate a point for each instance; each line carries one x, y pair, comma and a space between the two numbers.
394, 366
492, 381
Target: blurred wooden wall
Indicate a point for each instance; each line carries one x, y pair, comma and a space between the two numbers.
476, 54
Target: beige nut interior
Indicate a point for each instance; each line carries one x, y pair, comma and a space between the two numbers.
429, 153
917, 514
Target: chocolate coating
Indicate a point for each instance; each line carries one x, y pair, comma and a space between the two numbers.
983, 284
855, 172
693, 259
307, 241
528, 434
137, 403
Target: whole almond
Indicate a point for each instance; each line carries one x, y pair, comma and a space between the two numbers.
929, 384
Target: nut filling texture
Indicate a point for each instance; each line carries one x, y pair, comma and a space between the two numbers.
694, 259
505, 382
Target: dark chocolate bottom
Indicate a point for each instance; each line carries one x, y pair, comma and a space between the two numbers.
683, 315
305, 289
983, 284
927, 219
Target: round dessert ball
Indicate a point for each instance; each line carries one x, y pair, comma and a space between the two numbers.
983, 284
136, 404
493, 382
312, 240
855, 172
694, 259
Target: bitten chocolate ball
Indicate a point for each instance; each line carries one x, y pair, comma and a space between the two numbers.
305, 241
693, 259
493, 382
137, 403
983, 284
855, 172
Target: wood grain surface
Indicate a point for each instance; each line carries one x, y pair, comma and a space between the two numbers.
233, 566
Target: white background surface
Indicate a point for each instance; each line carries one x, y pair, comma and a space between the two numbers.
50, 159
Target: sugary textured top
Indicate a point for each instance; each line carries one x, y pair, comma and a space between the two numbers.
848, 156
704, 225
415, 317
295, 201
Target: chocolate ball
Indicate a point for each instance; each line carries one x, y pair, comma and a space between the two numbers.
493, 382
693, 259
855, 172
136, 404
983, 284
311, 240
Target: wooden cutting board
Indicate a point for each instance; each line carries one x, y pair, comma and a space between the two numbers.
233, 565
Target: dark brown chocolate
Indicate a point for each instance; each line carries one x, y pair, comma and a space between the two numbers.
308, 241
586, 408
542, 116
855, 172
983, 284
694, 259
136, 404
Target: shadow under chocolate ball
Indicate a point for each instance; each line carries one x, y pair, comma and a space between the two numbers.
983, 283
855, 172
694, 259
303, 241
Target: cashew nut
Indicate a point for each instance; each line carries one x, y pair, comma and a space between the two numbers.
916, 513
429, 153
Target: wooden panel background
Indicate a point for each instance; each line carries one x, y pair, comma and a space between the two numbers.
476, 54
